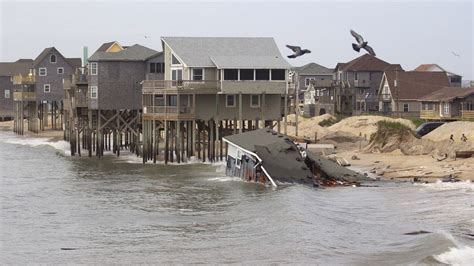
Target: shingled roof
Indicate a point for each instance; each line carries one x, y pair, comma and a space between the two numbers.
312, 69
21, 66
73, 62
367, 62
132, 53
227, 52
448, 94
412, 85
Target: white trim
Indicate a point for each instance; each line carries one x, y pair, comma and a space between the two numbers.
258, 97
96, 89
45, 71
49, 88
192, 73
256, 156
57, 70
96, 64
175, 65
7, 93
55, 58
226, 102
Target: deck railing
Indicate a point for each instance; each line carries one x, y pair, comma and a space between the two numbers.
429, 114
467, 114
149, 86
24, 96
168, 110
23, 79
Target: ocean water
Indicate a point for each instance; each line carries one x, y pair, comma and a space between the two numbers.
58, 209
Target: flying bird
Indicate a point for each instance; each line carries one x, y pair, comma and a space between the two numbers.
455, 54
361, 44
297, 51
146, 37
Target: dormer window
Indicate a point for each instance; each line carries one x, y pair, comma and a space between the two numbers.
174, 60
52, 58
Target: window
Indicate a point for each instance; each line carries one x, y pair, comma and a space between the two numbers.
94, 67
7, 94
254, 101
355, 75
157, 68
198, 74
406, 107
231, 74
230, 101
176, 74
42, 71
47, 88
278, 74
52, 58
174, 60
60, 70
307, 81
246, 74
94, 92
262, 74
446, 108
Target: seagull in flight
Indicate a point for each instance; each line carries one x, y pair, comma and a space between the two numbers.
361, 44
297, 51
455, 54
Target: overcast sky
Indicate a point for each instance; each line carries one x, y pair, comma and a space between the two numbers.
400, 32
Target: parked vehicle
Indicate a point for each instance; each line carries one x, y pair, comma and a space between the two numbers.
427, 127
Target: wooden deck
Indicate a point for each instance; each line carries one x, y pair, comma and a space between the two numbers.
23, 80
434, 115
24, 96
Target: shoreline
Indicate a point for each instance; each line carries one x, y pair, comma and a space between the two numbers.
393, 166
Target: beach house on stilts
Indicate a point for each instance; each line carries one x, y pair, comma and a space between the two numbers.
212, 87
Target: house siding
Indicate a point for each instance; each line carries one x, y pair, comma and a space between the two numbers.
53, 78
118, 84
6, 105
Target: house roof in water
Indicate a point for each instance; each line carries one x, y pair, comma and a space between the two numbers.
313, 69
132, 53
280, 156
412, 85
448, 94
21, 66
227, 52
367, 62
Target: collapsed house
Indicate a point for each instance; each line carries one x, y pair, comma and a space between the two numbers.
267, 157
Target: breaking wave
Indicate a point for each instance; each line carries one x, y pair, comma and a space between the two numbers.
457, 256
61, 145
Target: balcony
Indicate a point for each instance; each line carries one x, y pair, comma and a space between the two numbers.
385, 97
362, 83
24, 80
467, 115
168, 113
323, 83
254, 86
180, 86
24, 96
429, 114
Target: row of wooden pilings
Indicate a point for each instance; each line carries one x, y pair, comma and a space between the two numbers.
37, 116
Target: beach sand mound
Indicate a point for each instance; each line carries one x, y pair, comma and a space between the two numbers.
456, 128
308, 126
365, 125
402, 140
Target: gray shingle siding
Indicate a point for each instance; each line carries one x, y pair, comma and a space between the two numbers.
6, 105
118, 84
53, 78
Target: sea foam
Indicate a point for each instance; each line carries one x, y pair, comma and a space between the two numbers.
457, 256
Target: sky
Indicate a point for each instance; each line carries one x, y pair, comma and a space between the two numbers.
403, 32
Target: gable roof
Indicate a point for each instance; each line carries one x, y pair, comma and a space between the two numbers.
412, 85
132, 53
312, 69
73, 62
21, 66
105, 46
227, 52
448, 94
428, 67
367, 62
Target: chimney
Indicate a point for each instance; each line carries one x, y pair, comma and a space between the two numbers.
85, 56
